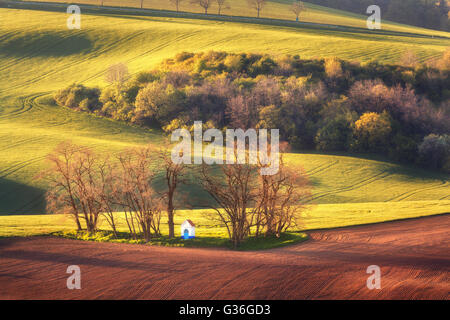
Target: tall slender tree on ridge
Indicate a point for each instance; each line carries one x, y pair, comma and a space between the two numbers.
258, 5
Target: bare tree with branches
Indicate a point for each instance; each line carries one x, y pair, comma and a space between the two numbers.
233, 191
241, 111
174, 176
205, 4
297, 8
87, 187
117, 74
141, 204
108, 182
176, 3
75, 184
258, 5
280, 199
222, 4
61, 196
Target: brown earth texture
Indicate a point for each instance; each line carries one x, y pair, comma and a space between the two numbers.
413, 255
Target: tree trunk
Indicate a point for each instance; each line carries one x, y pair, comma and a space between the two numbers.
78, 223
170, 218
90, 227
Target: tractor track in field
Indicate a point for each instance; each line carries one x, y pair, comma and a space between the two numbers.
21, 143
410, 193
322, 168
17, 111
25, 104
412, 255
97, 53
18, 166
361, 183
86, 58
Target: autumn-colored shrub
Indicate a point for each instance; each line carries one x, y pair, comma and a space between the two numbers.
333, 68
325, 104
79, 97
371, 132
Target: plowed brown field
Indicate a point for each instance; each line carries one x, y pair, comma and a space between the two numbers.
414, 257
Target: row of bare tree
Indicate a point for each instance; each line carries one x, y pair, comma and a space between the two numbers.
86, 186
250, 203
297, 6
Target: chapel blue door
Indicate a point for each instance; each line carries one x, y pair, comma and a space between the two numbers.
186, 233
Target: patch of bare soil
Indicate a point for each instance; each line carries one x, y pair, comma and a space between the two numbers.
414, 257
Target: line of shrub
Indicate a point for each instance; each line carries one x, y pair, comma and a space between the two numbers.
324, 104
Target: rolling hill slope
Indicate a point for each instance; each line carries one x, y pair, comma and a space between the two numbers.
43, 57
273, 9
38, 55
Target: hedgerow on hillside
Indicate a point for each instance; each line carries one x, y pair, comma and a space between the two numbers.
325, 104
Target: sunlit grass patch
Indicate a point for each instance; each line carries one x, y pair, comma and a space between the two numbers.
215, 240
322, 216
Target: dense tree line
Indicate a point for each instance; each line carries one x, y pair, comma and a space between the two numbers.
433, 14
326, 104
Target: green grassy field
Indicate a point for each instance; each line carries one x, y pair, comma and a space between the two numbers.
274, 9
313, 217
38, 55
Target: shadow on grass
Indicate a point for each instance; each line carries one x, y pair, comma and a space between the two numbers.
17, 198
49, 44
